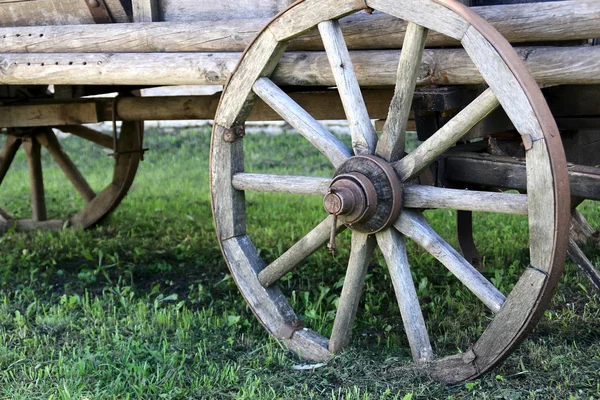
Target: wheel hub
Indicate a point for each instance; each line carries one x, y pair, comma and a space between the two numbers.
365, 194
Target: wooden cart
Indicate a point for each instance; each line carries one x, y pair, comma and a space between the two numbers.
475, 101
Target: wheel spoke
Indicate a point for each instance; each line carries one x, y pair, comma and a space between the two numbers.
584, 264
364, 138
415, 226
391, 144
296, 116
310, 243
304, 185
36, 179
394, 251
418, 196
360, 256
92, 135
49, 141
416, 161
8, 155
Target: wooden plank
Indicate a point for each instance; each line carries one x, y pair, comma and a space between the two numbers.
208, 10
259, 60
510, 173
415, 226
308, 14
419, 159
393, 249
322, 105
49, 12
269, 304
431, 197
531, 22
50, 142
315, 133
364, 138
302, 249
564, 65
425, 13
48, 114
300, 185
391, 145
360, 256
230, 211
36, 179
145, 10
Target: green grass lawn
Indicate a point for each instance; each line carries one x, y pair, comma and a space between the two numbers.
143, 305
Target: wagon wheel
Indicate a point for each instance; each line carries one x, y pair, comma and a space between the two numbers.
97, 204
377, 196
582, 233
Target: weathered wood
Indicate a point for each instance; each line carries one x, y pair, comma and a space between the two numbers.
311, 242
393, 249
48, 12
364, 138
415, 226
269, 304
315, 133
322, 105
50, 142
581, 231
391, 145
36, 179
360, 256
301, 185
551, 65
145, 10
308, 14
416, 161
209, 10
9, 151
230, 210
39, 115
584, 264
531, 22
510, 173
259, 60
431, 197
425, 13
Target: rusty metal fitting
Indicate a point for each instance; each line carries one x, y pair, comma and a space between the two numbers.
234, 133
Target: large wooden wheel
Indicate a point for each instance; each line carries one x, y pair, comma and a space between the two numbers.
97, 205
374, 190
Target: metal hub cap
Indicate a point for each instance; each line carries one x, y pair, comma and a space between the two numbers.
365, 194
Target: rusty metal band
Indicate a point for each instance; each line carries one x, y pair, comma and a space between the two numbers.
99, 11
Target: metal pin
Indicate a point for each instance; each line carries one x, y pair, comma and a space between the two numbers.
331, 244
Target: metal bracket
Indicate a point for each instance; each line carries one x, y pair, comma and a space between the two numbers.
99, 11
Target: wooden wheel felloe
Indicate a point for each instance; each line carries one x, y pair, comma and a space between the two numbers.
510, 86
97, 204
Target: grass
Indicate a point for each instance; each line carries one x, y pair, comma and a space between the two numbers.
143, 306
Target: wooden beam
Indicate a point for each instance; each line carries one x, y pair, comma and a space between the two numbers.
552, 21
510, 173
549, 65
322, 105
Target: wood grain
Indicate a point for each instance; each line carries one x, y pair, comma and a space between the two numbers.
360, 256
299, 185
552, 65
391, 145
364, 138
393, 249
